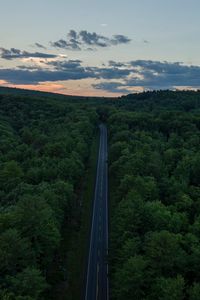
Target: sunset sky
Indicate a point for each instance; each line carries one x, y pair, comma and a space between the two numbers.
107, 47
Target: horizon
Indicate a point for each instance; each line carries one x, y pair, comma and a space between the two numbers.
82, 49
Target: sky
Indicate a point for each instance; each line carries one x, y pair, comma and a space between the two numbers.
100, 48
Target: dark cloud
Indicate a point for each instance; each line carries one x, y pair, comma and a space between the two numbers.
162, 75
72, 34
116, 64
14, 53
53, 71
40, 46
58, 71
66, 65
114, 87
153, 75
157, 66
88, 41
120, 39
70, 45
95, 72
117, 77
28, 76
110, 73
28, 68
93, 39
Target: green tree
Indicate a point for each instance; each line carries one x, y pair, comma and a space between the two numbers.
168, 288
194, 291
130, 280
28, 284
35, 220
165, 253
10, 175
15, 252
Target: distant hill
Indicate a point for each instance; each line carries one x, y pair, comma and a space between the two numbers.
156, 100
146, 101
16, 91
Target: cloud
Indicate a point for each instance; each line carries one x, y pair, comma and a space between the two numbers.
115, 64
51, 71
84, 40
21, 76
110, 73
152, 75
120, 39
162, 75
40, 46
115, 77
59, 71
14, 53
62, 44
66, 65
113, 87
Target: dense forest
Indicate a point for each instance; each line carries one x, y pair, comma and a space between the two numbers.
155, 196
154, 183
43, 154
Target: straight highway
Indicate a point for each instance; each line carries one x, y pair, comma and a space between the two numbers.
97, 268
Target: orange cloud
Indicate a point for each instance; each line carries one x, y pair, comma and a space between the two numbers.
3, 82
44, 87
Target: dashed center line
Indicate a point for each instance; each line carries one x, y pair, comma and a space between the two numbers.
97, 289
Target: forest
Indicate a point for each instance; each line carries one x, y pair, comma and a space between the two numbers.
155, 196
154, 189
43, 154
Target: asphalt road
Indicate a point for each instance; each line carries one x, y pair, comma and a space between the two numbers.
97, 270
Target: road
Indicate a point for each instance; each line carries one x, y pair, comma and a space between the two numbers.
97, 269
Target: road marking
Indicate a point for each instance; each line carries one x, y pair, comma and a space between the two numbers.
94, 208
97, 287
106, 185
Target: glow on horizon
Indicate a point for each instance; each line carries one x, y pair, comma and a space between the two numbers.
72, 88
159, 31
